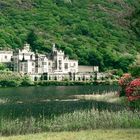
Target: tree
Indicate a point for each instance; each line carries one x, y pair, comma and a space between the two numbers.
95, 58
31, 39
135, 70
68, 51
37, 42
26, 81
124, 62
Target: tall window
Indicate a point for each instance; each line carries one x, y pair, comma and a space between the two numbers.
33, 70
66, 65
60, 61
60, 64
5, 57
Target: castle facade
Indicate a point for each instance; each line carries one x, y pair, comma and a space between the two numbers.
54, 66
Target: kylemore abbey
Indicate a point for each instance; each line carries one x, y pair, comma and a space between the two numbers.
53, 66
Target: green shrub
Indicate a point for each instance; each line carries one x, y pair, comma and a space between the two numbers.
12, 79
10, 83
134, 104
26, 81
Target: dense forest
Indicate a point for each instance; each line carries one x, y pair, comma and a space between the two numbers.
96, 32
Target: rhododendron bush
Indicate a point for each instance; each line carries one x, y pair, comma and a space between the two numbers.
131, 89
133, 93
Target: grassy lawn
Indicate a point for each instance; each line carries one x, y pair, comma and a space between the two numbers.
124, 134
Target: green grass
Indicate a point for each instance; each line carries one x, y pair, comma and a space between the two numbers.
119, 134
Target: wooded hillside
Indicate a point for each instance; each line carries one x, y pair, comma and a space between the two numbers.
96, 32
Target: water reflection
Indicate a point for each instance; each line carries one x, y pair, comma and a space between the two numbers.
52, 92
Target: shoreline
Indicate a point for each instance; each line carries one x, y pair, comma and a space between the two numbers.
61, 83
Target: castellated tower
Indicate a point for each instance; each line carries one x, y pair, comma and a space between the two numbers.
58, 58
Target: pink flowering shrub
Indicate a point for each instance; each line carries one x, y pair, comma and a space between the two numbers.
133, 90
133, 93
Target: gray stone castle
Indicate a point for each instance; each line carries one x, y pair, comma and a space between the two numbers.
55, 66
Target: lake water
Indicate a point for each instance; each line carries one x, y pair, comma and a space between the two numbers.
49, 101
52, 92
